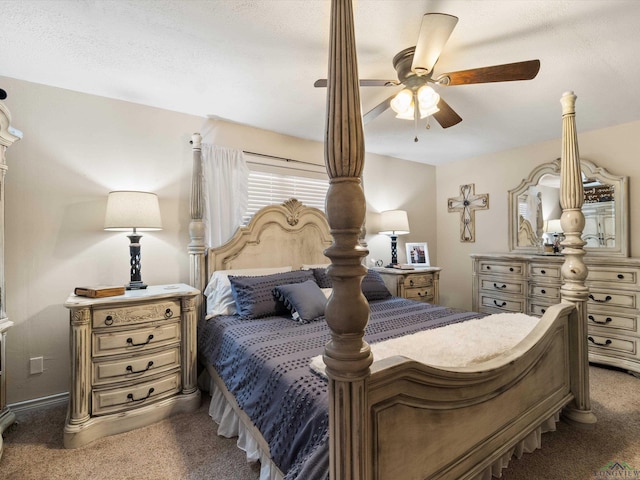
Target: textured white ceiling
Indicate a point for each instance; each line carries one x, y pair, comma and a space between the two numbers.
254, 62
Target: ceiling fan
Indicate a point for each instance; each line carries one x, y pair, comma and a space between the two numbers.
414, 67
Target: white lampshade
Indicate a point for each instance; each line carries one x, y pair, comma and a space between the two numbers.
394, 222
128, 210
553, 226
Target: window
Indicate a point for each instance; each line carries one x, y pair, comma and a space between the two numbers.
270, 183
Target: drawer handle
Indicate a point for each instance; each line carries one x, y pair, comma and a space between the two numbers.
606, 320
130, 341
488, 267
168, 313
499, 305
411, 283
543, 291
511, 269
131, 370
130, 396
606, 299
620, 276
108, 320
605, 344
495, 285
543, 272
543, 310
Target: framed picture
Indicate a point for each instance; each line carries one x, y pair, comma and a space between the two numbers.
417, 254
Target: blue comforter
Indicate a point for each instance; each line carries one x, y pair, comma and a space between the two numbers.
265, 365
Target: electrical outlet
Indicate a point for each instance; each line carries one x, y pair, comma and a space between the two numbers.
36, 365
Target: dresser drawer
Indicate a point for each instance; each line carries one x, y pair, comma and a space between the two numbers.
619, 276
601, 317
140, 366
496, 267
550, 293
538, 308
136, 340
501, 303
419, 294
542, 272
124, 398
613, 298
620, 346
508, 286
418, 280
135, 314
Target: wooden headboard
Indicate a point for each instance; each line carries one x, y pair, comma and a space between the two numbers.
288, 234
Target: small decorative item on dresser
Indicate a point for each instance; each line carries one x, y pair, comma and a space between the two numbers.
99, 291
417, 254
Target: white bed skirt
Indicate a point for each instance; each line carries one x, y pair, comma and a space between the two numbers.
230, 425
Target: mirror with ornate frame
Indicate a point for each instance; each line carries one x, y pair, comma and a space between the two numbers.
534, 211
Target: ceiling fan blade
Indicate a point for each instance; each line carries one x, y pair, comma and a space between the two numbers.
446, 116
434, 33
363, 83
498, 73
377, 110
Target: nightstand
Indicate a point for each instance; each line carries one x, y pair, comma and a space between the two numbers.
133, 360
421, 284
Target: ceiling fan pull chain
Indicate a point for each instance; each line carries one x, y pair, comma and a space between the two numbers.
428, 123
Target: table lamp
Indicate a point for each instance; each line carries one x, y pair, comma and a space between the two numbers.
394, 223
130, 210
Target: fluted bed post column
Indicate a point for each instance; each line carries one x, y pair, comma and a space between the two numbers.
346, 355
197, 246
574, 270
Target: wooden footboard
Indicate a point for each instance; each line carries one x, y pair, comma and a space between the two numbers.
426, 422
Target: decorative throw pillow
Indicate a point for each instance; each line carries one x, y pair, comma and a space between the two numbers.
220, 300
305, 300
373, 287
254, 295
322, 277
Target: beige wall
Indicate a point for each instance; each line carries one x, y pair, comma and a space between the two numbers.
78, 147
616, 149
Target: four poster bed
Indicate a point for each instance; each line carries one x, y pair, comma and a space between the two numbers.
357, 414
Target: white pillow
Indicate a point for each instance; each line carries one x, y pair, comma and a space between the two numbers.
315, 265
218, 291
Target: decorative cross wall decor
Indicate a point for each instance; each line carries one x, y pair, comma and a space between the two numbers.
467, 203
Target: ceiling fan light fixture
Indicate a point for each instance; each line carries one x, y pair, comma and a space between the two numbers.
402, 103
428, 100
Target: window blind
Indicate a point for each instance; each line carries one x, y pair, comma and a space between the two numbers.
268, 186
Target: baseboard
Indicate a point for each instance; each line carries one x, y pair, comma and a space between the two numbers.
39, 403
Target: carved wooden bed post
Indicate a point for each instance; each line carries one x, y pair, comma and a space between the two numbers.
346, 355
197, 245
574, 270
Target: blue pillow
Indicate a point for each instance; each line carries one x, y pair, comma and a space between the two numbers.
373, 287
305, 300
322, 277
254, 295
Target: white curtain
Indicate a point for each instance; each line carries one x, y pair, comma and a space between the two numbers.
226, 191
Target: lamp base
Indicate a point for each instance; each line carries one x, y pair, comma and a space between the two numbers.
137, 285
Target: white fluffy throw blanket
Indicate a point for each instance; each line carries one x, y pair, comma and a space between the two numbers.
457, 345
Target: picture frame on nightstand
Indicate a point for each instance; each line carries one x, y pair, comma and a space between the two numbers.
418, 254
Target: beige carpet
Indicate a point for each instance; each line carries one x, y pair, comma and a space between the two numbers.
186, 446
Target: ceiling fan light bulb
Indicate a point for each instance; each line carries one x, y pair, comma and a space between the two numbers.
402, 102
427, 96
407, 114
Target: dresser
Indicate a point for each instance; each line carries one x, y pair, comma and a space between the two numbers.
420, 284
531, 283
133, 360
